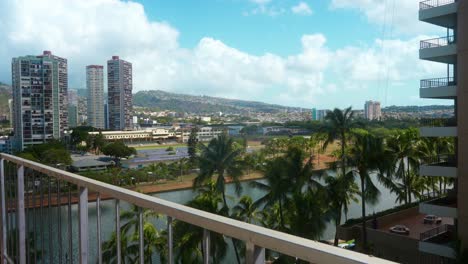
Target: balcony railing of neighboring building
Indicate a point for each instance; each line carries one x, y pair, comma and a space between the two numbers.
438, 82
437, 42
438, 122
28, 189
428, 4
445, 201
444, 160
434, 235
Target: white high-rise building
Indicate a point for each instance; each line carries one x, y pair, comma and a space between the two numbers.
95, 86
119, 94
40, 105
372, 110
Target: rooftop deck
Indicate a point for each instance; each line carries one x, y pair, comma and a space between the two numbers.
416, 225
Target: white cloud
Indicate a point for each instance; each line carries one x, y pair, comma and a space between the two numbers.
394, 16
90, 32
302, 8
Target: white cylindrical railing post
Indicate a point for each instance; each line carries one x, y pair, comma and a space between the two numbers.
206, 246
98, 228
117, 230
254, 254
141, 235
3, 212
83, 225
170, 257
21, 217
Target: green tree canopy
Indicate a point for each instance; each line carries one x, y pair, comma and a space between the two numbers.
118, 150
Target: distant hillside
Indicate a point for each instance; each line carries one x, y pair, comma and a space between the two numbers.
5, 95
415, 108
201, 104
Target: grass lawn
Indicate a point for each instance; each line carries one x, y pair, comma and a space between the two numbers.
159, 146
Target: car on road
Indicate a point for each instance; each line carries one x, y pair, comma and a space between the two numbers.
399, 229
432, 219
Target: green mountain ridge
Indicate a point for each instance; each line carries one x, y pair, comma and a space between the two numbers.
202, 104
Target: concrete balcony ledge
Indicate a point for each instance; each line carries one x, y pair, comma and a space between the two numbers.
438, 170
443, 92
438, 52
438, 131
439, 12
443, 207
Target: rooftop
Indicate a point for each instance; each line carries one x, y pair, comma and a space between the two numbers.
415, 223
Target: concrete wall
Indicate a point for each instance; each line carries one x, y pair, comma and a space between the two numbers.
462, 112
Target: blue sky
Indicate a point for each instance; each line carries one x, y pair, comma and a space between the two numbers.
257, 34
307, 53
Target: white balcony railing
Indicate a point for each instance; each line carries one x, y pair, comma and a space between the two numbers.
19, 192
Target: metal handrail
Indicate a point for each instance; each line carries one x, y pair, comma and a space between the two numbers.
428, 4
435, 232
437, 42
287, 244
438, 82
447, 159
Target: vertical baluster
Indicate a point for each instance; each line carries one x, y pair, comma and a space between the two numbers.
254, 254
27, 214
41, 199
70, 226
14, 217
49, 218
83, 225
206, 246
59, 220
170, 257
3, 212
34, 216
141, 233
117, 230
98, 213
12, 235
7, 209
20, 214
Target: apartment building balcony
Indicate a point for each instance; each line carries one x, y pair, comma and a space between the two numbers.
443, 165
438, 127
439, 241
442, 207
40, 222
442, 50
439, 12
438, 88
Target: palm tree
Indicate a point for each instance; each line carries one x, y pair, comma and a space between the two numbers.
246, 210
338, 125
129, 239
285, 175
403, 146
220, 158
341, 192
308, 215
188, 238
367, 154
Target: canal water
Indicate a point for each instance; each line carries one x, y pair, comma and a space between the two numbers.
50, 222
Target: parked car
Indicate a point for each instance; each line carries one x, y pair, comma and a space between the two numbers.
400, 229
432, 219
